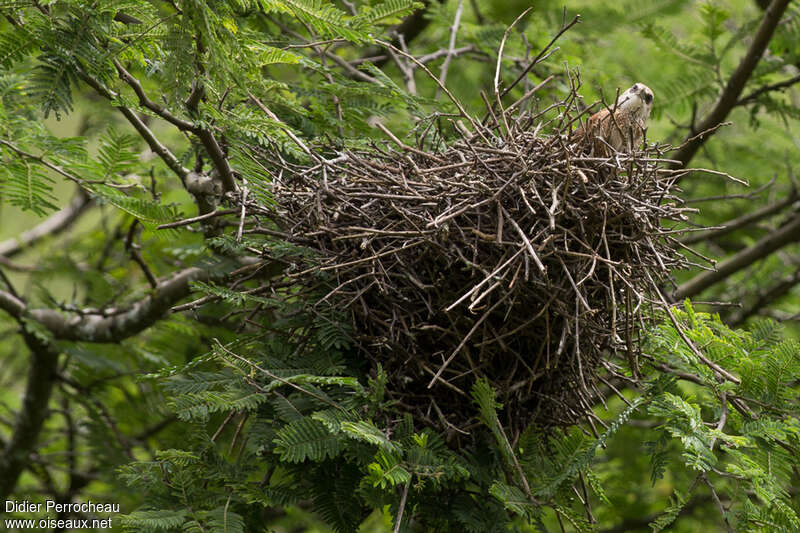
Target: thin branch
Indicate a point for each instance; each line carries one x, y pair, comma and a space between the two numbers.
406, 69
352, 71
133, 249
737, 81
450, 47
742, 221
219, 159
53, 225
155, 145
786, 234
468, 49
7, 282
115, 324
144, 101
530, 93
753, 96
33, 412
542, 53
207, 138
718, 502
286, 128
438, 82
410, 28
708, 362
187, 221
765, 297
500, 54
42, 161
322, 398
401, 508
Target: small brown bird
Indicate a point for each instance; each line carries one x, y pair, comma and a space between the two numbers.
624, 130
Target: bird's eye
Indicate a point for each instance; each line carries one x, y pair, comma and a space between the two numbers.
635, 87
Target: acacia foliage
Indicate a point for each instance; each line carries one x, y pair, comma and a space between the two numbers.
216, 419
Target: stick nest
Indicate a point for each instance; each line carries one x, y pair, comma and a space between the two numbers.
519, 259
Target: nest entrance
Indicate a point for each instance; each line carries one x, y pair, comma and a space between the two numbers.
524, 261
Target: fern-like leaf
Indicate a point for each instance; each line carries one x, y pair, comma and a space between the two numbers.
306, 439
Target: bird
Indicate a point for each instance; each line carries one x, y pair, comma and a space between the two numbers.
622, 131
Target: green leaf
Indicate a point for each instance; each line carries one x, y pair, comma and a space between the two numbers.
306, 439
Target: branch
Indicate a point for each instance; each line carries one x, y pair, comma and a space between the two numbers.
115, 325
219, 159
42, 161
442, 52
352, 72
206, 137
435, 79
786, 234
155, 145
204, 206
192, 220
32, 414
450, 47
718, 370
133, 249
733, 90
742, 221
564, 27
144, 101
53, 225
765, 297
753, 96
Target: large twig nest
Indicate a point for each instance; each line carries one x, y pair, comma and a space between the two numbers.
521, 260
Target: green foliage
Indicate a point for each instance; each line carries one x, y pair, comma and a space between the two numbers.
677, 502
25, 185
306, 439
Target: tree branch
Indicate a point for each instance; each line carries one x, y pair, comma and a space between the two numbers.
206, 137
786, 234
32, 414
733, 90
144, 101
42, 161
742, 221
765, 297
753, 96
155, 145
450, 47
115, 325
53, 225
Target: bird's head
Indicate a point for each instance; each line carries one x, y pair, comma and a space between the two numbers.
639, 99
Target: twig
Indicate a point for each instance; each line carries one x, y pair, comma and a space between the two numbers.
450, 47
541, 54
438, 83
192, 220
711, 364
401, 508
